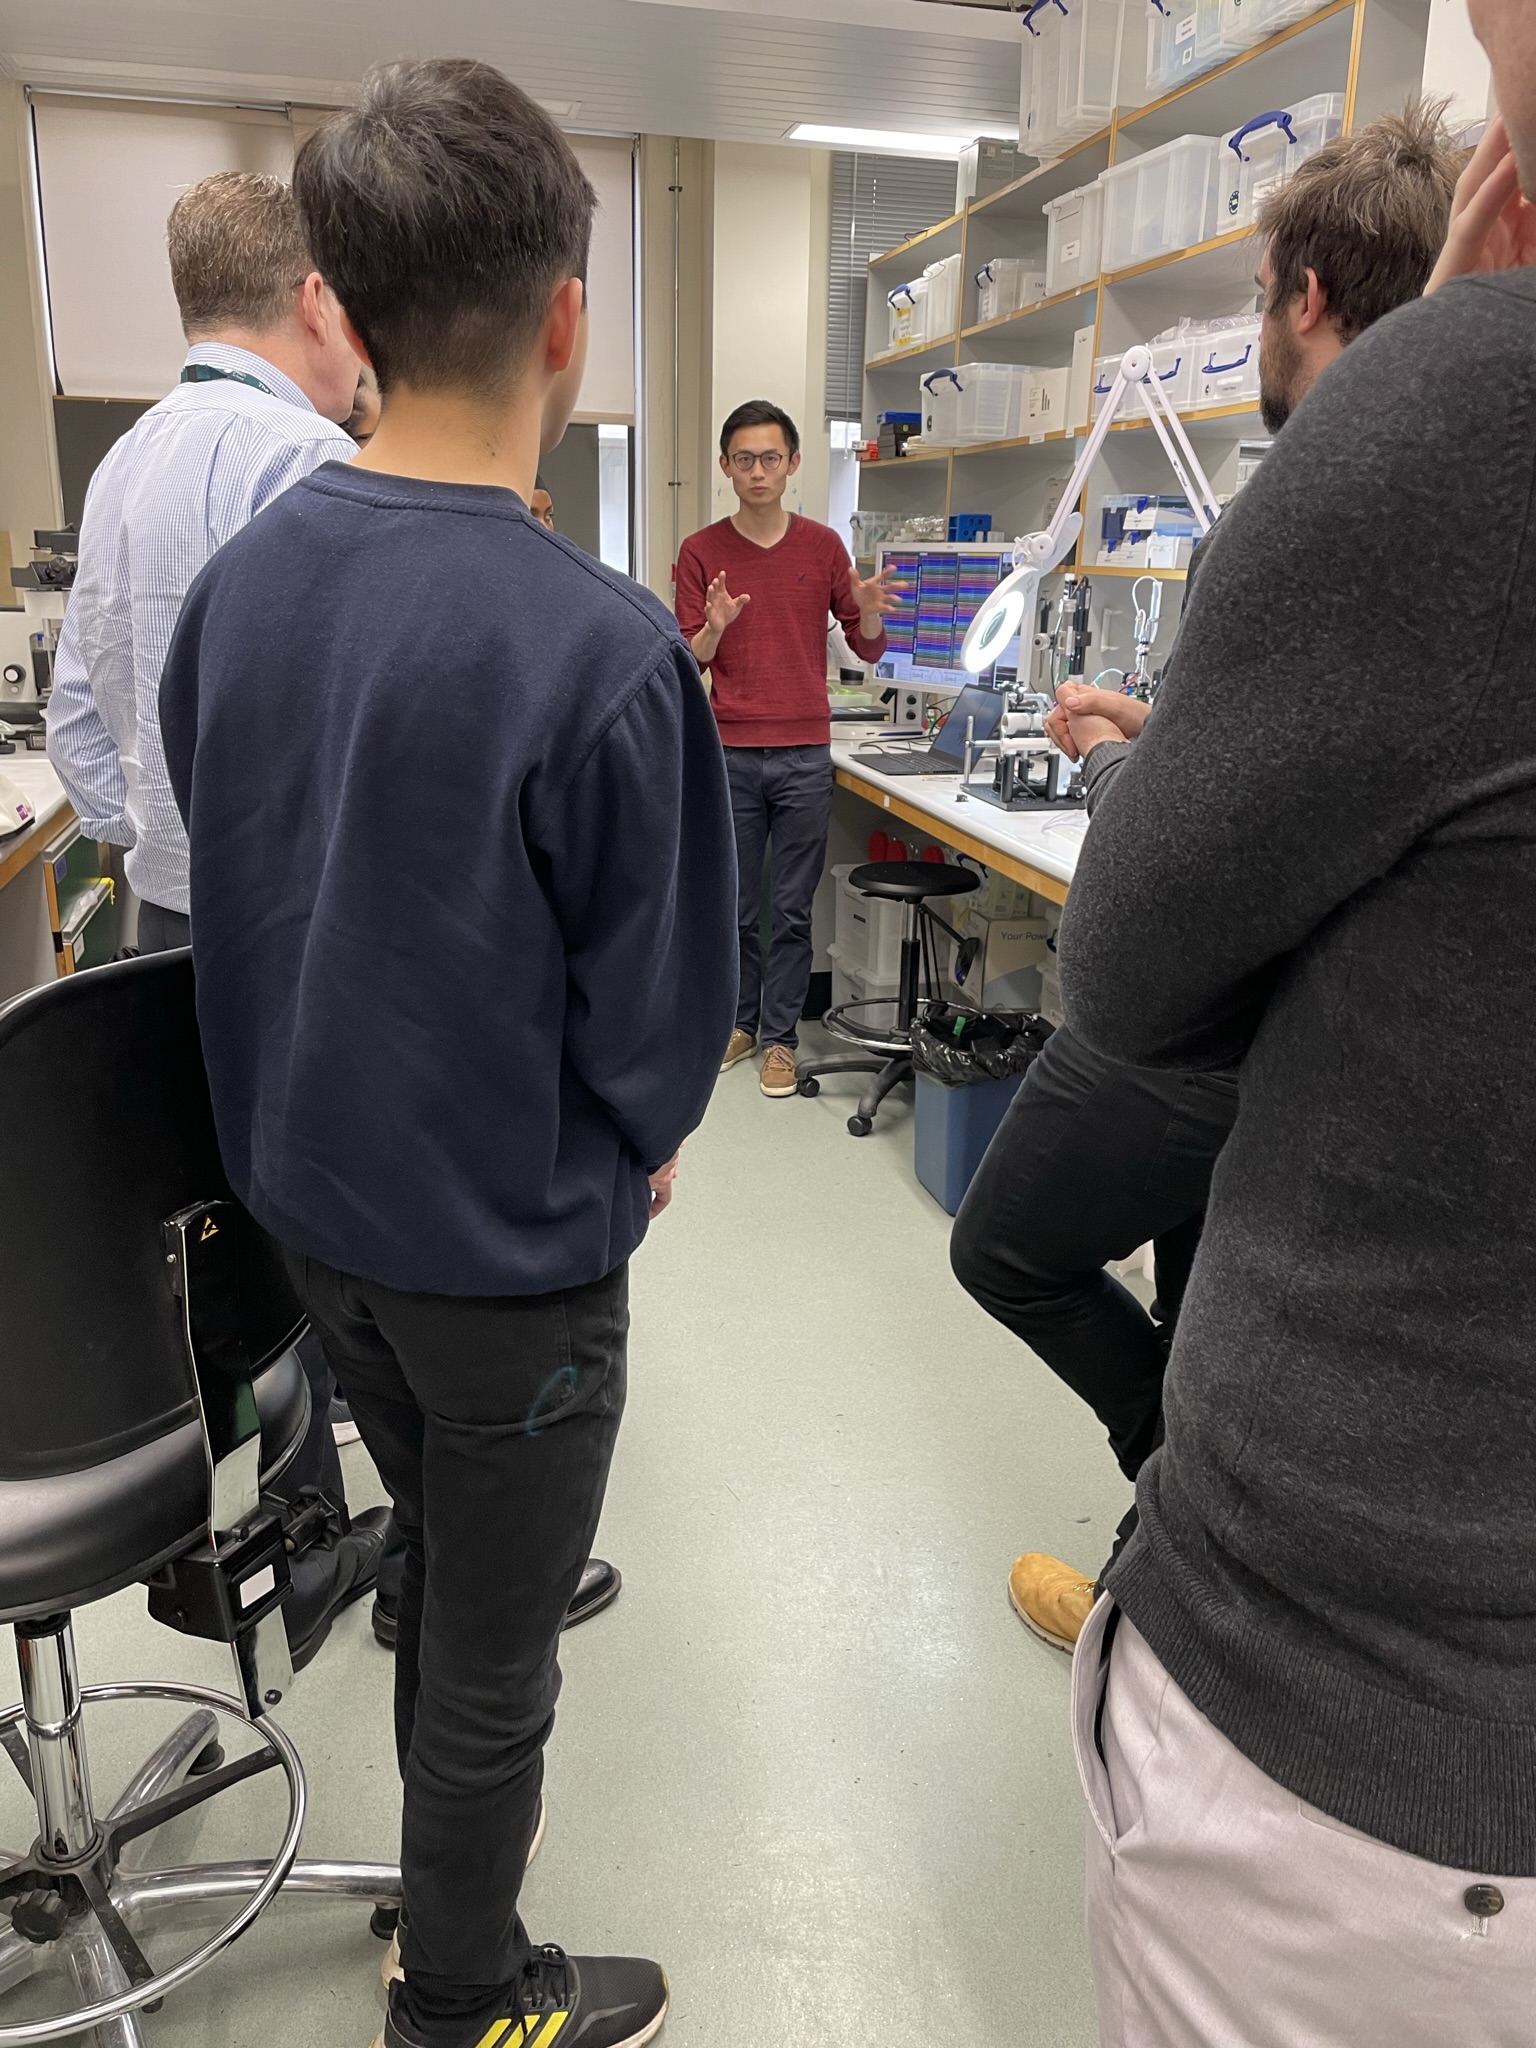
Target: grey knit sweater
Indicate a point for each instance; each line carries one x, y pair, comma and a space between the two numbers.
1320, 860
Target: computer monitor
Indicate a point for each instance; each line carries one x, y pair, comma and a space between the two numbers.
939, 587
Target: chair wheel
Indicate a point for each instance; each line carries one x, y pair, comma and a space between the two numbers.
209, 1758
861, 1126
810, 1085
384, 1922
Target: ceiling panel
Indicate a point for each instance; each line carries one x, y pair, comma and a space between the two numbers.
688, 69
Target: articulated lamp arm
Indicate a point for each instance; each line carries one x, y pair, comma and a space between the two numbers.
1036, 554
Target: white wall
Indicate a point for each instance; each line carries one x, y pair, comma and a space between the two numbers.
1454, 63
768, 305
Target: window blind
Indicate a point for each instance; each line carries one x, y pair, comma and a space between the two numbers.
109, 172
878, 202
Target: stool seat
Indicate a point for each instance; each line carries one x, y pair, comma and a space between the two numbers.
68, 1538
909, 881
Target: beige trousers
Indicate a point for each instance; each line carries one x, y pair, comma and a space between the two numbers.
1224, 1912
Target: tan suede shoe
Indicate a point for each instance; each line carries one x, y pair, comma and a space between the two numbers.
1051, 1598
779, 1076
741, 1047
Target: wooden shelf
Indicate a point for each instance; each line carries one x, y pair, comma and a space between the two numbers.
905, 249
1117, 569
894, 358
905, 461
1221, 258
1170, 111
1032, 320
1027, 195
1203, 416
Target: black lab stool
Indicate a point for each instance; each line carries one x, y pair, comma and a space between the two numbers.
149, 1394
881, 1026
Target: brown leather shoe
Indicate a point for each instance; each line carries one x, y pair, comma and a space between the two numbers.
1051, 1598
779, 1076
741, 1047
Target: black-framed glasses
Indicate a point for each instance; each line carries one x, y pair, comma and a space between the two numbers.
770, 458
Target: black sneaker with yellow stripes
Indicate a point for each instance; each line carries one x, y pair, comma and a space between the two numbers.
559, 2001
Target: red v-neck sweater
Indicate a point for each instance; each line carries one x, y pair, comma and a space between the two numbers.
770, 670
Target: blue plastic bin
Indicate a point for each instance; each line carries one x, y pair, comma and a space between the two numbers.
953, 1128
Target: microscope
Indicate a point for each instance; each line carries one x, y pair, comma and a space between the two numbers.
45, 583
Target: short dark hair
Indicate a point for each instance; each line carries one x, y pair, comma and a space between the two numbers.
760, 412
237, 252
1368, 213
443, 210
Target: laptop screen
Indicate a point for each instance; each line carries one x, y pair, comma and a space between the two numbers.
976, 701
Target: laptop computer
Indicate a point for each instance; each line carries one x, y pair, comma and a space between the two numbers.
946, 753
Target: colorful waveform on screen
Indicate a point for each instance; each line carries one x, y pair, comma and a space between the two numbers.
937, 596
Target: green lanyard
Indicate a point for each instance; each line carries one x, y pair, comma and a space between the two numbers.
205, 373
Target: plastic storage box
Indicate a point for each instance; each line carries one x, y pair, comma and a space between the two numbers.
909, 314
1171, 31
1173, 365
1071, 65
1258, 158
1159, 203
943, 297
1226, 370
952, 1128
1074, 229
1242, 23
991, 403
867, 931
1005, 284
939, 397
850, 985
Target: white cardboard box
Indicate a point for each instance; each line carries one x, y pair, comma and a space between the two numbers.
1046, 401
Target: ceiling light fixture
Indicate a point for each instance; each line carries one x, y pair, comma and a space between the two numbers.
880, 141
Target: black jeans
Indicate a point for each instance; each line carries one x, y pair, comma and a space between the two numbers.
1092, 1160
492, 1423
782, 796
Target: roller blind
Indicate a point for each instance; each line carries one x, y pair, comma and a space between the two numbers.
878, 202
608, 389
109, 172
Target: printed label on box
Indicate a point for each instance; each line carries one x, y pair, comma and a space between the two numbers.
1070, 251
1184, 30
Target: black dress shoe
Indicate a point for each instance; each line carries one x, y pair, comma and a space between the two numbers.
327, 1581
599, 1588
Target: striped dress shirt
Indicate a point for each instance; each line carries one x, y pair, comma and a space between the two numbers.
195, 469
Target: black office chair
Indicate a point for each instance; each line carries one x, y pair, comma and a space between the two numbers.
882, 1025
149, 1394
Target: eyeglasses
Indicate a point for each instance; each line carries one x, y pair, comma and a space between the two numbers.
771, 459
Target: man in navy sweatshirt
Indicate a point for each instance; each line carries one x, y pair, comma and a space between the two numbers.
463, 897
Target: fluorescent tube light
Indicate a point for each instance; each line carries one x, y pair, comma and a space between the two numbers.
880, 141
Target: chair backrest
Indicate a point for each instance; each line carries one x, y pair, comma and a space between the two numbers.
106, 1130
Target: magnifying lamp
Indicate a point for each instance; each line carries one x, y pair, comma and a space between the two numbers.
1036, 554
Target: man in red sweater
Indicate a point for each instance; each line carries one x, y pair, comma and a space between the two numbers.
753, 597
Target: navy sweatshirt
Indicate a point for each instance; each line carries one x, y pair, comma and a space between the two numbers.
463, 883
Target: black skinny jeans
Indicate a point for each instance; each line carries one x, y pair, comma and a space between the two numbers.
1092, 1160
492, 1423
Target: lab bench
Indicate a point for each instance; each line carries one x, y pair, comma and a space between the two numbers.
57, 908
1037, 849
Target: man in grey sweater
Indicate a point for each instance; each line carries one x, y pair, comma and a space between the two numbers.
1305, 1716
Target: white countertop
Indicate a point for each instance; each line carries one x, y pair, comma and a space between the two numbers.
35, 776
1047, 840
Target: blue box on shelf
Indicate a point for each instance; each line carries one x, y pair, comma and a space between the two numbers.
952, 1129
969, 525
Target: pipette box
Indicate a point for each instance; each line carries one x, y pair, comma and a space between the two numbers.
952, 1128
